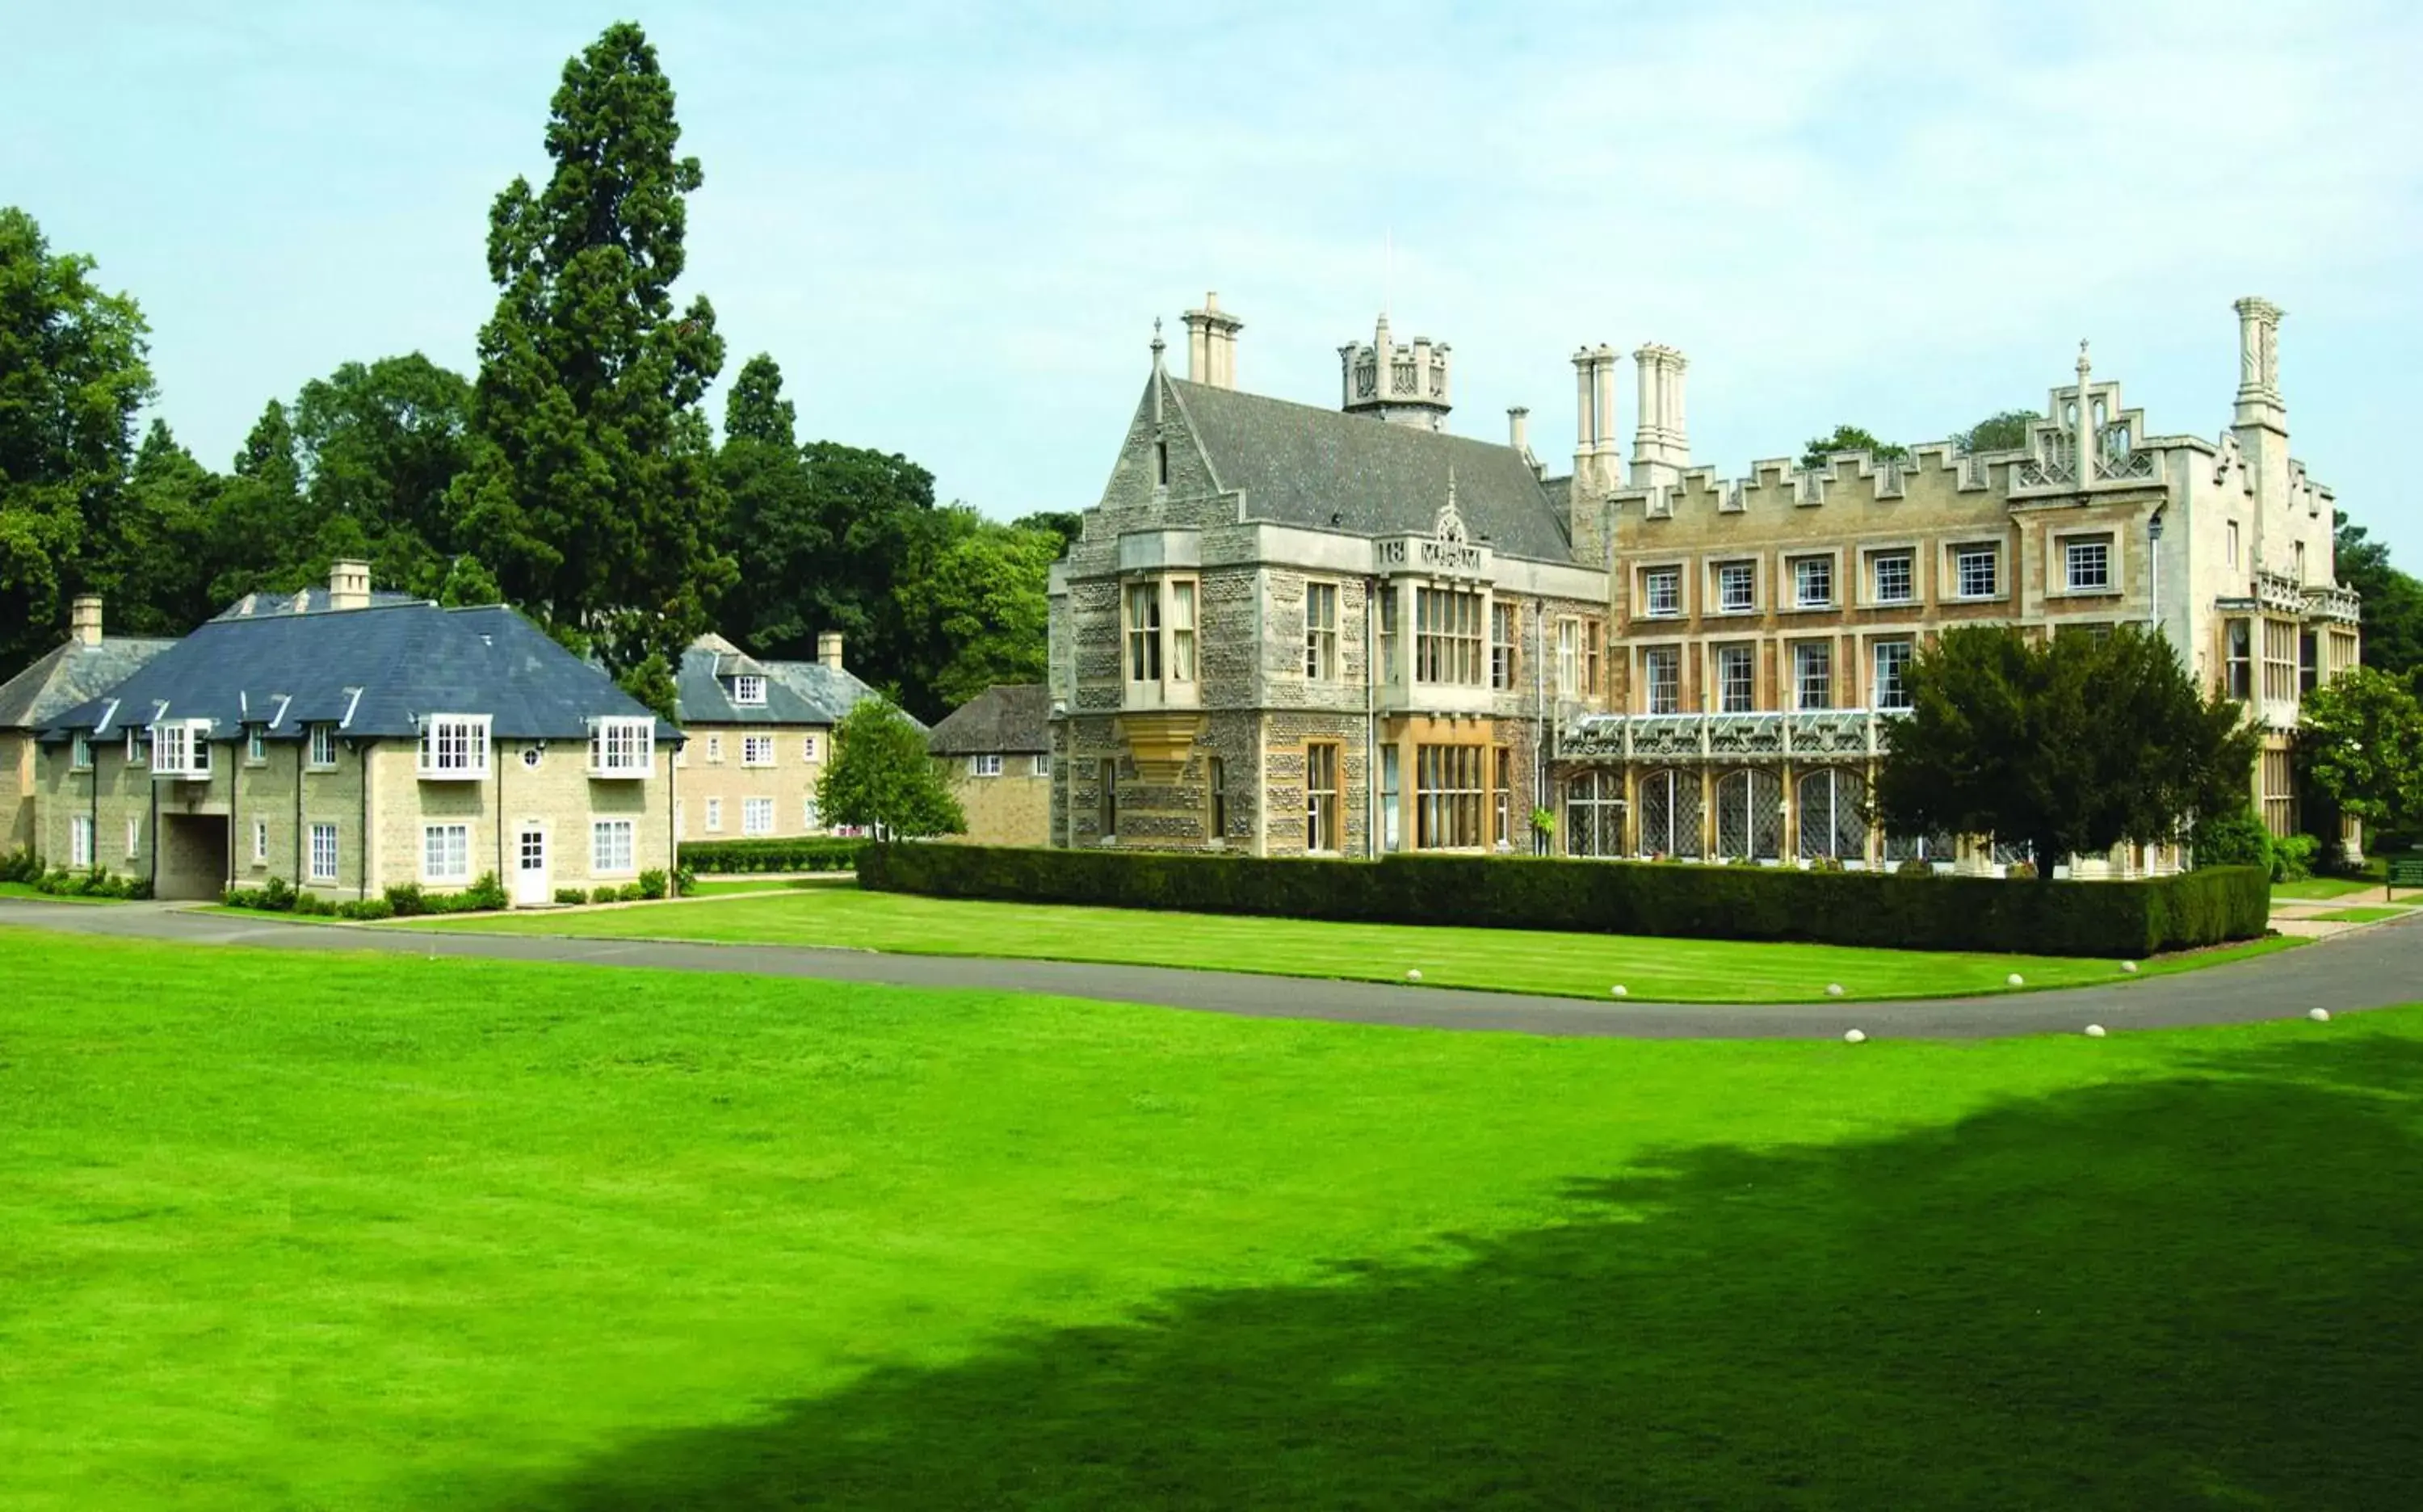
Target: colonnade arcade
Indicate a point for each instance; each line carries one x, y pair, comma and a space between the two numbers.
1771, 812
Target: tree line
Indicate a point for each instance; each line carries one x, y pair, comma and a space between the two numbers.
575, 474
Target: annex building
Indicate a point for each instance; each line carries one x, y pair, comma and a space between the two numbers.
1289, 629
758, 736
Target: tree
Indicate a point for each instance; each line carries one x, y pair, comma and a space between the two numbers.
2004, 432
973, 602
73, 375
880, 778
2393, 600
591, 494
153, 564
1066, 523
1849, 439
261, 531
2074, 743
380, 445
2360, 743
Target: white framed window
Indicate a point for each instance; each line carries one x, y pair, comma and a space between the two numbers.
133, 837
1893, 577
1042, 764
256, 745
1320, 800
756, 750
80, 841
1504, 635
1569, 658
1321, 632
1893, 661
323, 853
1446, 636
1976, 571
609, 843
756, 816
260, 842
1181, 631
181, 748
715, 748
455, 747
811, 818
323, 745
1736, 587
2087, 564
1144, 631
715, 816
749, 691
136, 753
446, 853
1813, 581
1736, 680
1661, 592
623, 746
80, 752
1812, 674
986, 765
808, 746
1661, 668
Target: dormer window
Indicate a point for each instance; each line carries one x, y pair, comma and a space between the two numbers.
182, 749
749, 691
455, 747
623, 747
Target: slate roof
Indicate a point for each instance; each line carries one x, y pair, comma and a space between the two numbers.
68, 675
797, 693
1010, 718
1300, 465
314, 602
370, 671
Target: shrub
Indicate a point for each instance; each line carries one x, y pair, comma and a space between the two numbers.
314, 906
366, 908
814, 852
2234, 839
685, 882
404, 898
1915, 867
652, 884
570, 895
2292, 857
484, 894
21, 864
2100, 918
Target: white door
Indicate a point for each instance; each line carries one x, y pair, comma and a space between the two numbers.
529, 868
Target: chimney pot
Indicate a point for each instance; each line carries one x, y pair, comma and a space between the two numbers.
829, 650
84, 619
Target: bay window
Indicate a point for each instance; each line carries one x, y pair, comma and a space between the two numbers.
1158, 617
453, 747
627, 747
1446, 636
182, 748
1447, 791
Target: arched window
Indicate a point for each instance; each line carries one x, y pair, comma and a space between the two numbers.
1750, 814
1594, 813
1670, 814
1900, 847
1833, 817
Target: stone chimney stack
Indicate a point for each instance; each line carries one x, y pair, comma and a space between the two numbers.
1212, 343
1661, 447
2259, 366
84, 619
349, 585
1518, 429
829, 650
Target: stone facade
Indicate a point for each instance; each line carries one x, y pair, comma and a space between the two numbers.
1011, 805
719, 779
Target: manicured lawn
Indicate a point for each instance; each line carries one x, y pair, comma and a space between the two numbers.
364, 1231
26, 889
2323, 888
1572, 965
717, 886
2361, 916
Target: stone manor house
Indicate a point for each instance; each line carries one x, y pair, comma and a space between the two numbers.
1288, 629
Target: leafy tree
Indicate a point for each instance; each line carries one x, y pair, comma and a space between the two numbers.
2393, 600
1849, 439
882, 777
379, 445
2003, 432
1066, 523
260, 530
155, 563
2360, 743
2073, 743
73, 375
975, 604
756, 410
592, 493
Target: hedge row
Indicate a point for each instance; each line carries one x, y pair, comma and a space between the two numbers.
814, 852
2125, 919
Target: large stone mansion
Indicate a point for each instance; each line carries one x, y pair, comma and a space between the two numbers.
1288, 629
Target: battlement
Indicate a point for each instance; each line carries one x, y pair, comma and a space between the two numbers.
1406, 384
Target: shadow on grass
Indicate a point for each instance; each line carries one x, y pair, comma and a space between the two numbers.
2202, 1291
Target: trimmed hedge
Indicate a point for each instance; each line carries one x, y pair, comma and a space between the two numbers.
2126, 919
814, 852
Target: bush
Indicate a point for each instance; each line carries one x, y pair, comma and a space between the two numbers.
1915, 867
405, 900
652, 884
21, 864
684, 880
814, 852
2126, 919
2293, 856
570, 895
60, 882
2236, 839
366, 908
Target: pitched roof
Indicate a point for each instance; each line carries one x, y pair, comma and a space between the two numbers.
68, 675
1300, 465
797, 693
303, 601
370, 670
1008, 717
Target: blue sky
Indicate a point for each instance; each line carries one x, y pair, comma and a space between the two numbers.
953, 226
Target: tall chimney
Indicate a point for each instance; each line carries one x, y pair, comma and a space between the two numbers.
1518, 429
84, 619
829, 650
349, 585
1212, 343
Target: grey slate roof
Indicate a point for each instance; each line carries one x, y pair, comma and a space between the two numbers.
797, 693
314, 602
404, 658
1300, 465
70, 674
1010, 718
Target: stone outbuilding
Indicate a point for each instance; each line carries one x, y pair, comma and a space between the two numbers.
996, 753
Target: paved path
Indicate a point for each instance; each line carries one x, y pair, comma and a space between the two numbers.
2373, 967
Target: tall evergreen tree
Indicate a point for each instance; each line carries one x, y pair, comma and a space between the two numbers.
592, 493
260, 530
380, 444
156, 559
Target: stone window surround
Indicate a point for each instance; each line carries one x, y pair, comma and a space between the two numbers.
1870, 647
757, 750
1870, 553
438, 845
613, 847
1321, 660
1832, 556
1954, 549
2057, 545
756, 816
1645, 697
1159, 643
1716, 599
1715, 674
985, 764
323, 851
1793, 659
1678, 568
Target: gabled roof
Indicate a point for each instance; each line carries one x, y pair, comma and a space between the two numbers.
371, 671
1300, 465
70, 674
835, 690
1012, 718
797, 693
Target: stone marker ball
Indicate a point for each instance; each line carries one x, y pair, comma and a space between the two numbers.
2015, 980
2319, 1015
2095, 1031
1833, 989
1617, 991
2129, 966
1854, 1036
1415, 975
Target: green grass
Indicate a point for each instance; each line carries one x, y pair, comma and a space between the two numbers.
2313, 890
1572, 965
717, 886
26, 889
2361, 916
356, 1231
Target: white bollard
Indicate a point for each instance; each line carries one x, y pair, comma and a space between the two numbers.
2129, 966
1617, 991
2015, 980
1854, 1036
1833, 989
2095, 1031
1415, 975
2319, 1015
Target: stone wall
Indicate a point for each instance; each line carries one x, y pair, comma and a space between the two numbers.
790, 781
